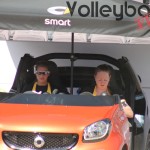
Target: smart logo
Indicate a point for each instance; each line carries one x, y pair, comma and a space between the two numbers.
58, 10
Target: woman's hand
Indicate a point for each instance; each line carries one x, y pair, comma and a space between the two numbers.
127, 109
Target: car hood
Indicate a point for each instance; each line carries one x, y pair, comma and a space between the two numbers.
47, 118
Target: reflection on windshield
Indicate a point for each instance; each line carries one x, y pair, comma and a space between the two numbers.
52, 99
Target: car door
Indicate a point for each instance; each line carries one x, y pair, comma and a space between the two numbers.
135, 98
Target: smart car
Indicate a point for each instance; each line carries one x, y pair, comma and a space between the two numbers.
73, 121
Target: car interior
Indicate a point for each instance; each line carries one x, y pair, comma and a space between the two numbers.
83, 77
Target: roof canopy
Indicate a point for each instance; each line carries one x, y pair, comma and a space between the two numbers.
111, 17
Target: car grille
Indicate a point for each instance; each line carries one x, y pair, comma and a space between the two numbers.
26, 140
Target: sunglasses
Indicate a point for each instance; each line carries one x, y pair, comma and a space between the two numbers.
42, 72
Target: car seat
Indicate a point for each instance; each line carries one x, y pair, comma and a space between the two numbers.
54, 77
116, 84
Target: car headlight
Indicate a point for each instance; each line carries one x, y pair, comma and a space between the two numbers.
97, 130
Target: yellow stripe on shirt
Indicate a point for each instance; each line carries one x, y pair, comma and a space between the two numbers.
48, 88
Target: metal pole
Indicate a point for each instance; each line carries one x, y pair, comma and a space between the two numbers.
72, 62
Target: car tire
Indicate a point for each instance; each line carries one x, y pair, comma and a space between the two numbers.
148, 142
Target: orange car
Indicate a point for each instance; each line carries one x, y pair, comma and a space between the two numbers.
63, 122
30, 121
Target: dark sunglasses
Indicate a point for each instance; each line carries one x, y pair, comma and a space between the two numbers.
42, 72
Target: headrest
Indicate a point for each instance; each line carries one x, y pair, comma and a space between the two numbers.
52, 67
116, 83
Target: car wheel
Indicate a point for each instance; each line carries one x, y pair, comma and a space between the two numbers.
148, 142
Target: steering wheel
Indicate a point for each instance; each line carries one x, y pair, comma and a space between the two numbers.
104, 94
89, 93
31, 92
86, 93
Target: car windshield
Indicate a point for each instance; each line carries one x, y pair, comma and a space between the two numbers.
60, 99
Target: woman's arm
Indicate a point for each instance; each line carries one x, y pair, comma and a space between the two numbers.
127, 109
